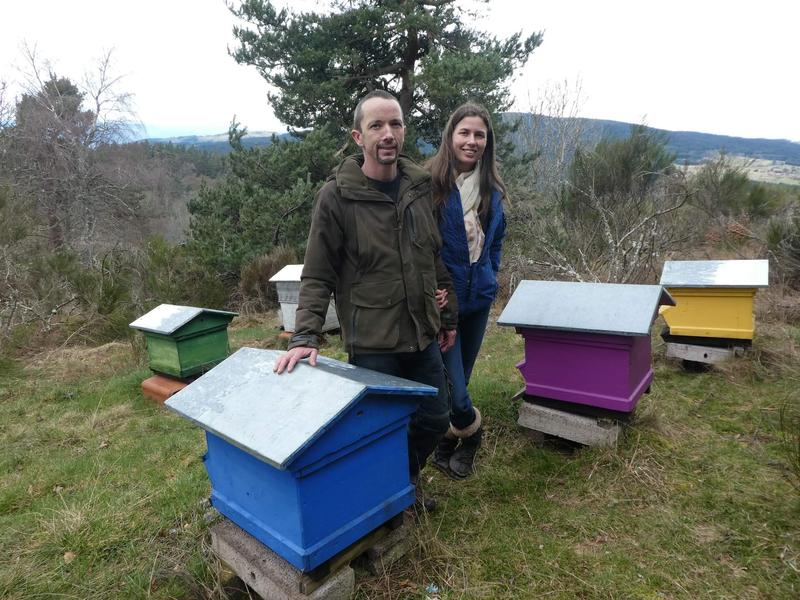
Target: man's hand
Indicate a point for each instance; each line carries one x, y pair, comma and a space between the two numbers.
447, 338
441, 298
293, 356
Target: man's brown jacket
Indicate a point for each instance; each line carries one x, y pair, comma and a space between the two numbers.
381, 261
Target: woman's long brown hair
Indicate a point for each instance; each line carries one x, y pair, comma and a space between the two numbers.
442, 165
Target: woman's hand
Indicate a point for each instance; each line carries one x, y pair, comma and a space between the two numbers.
447, 339
441, 298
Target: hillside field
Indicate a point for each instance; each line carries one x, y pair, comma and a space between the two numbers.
103, 493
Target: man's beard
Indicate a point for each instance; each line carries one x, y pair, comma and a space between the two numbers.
386, 161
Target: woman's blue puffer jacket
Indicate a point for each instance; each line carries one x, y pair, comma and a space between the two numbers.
475, 285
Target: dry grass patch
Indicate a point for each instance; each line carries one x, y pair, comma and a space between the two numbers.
252, 321
78, 363
256, 331
778, 303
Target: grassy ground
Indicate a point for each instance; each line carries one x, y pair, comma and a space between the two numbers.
103, 493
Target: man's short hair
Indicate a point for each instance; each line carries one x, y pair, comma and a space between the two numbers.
358, 114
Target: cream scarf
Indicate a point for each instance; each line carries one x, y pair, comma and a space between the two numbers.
469, 188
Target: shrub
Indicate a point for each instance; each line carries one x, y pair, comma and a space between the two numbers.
256, 293
721, 188
610, 220
783, 241
171, 274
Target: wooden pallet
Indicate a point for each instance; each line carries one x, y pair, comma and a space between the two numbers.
711, 355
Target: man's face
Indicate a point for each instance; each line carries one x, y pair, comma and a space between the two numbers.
382, 132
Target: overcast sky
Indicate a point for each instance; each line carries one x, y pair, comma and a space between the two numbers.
727, 67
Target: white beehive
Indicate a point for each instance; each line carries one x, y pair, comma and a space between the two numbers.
287, 282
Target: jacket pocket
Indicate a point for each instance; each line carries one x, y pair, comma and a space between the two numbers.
420, 229
377, 310
484, 283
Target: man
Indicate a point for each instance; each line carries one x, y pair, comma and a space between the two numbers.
374, 243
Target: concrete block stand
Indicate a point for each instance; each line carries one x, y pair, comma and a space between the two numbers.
590, 431
273, 578
269, 575
388, 550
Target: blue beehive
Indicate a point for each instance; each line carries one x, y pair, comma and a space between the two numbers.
308, 462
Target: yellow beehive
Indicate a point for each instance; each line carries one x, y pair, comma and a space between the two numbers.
714, 297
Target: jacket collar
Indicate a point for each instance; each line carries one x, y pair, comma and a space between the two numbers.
352, 182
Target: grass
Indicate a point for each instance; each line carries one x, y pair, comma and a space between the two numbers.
103, 493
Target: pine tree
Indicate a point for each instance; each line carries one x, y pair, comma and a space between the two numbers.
263, 203
423, 51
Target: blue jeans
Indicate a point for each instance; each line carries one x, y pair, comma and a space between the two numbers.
459, 361
431, 419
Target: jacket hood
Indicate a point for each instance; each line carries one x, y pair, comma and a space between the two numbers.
352, 182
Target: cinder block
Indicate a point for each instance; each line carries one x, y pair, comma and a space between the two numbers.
388, 550
591, 431
269, 575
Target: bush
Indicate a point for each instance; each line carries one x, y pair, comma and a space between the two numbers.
172, 275
55, 299
256, 293
783, 241
721, 188
611, 219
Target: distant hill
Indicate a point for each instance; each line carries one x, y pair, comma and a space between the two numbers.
218, 144
689, 146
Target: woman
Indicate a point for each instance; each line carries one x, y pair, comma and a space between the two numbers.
468, 194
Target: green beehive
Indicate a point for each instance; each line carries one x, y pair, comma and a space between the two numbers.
183, 340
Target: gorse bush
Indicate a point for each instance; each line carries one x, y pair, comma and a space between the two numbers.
721, 188
256, 293
619, 167
58, 296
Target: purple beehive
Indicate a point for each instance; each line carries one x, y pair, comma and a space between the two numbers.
586, 343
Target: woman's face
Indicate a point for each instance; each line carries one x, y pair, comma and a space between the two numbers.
469, 142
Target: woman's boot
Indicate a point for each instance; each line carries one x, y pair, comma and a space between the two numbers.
462, 462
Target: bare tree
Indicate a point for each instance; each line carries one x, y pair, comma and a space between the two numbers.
617, 237
608, 214
549, 134
56, 142
6, 108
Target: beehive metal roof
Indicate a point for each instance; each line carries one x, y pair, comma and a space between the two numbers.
168, 318
275, 417
288, 273
614, 308
716, 273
